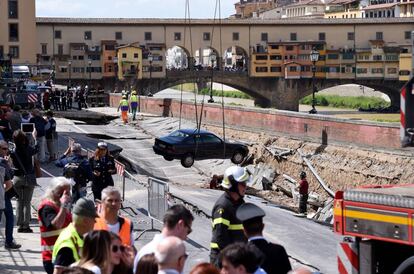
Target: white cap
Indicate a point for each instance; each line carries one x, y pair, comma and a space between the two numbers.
103, 144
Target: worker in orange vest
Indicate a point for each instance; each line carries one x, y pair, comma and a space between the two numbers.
109, 218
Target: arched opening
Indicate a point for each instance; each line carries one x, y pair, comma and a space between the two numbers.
207, 59
235, 59
177, 58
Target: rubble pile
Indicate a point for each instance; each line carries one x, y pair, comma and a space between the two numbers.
279, 160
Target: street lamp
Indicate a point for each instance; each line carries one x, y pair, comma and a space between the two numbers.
314, 56
90, 74
70, 73
213, 59
150, 59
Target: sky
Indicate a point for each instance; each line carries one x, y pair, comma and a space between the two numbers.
132, 8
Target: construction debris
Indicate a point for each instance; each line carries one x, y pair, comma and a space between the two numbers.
278, 152
262, 176
325, 214
312, 169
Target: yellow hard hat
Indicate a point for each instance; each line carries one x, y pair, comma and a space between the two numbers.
124, 97
134, 92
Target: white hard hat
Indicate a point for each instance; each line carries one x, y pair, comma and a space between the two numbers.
235, 174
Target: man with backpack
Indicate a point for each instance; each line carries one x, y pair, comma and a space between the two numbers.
77, 168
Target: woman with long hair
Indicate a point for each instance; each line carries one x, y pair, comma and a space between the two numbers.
96, 252
24, 178
103, 167
122, 256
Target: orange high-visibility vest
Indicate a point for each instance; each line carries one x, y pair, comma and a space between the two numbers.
49, 236
124, 228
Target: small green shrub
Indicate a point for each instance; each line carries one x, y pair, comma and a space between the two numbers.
346, 101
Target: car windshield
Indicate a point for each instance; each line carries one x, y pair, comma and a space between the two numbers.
179, 133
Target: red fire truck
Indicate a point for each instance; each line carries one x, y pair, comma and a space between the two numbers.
378, 229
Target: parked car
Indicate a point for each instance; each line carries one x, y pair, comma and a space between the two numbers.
189, 145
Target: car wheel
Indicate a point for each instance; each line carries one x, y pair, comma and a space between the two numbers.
237, 157
168, 158
187, 161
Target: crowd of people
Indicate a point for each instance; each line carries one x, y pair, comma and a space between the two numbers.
80, 235
63, 99
93, 237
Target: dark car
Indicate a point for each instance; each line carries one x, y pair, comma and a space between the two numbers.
191, 144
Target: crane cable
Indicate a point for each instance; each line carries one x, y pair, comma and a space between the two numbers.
222, 88
181, 85
212, 71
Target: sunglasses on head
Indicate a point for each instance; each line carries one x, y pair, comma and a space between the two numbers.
115, 248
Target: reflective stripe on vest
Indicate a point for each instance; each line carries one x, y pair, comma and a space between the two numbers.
134, 99
214, 245
48, 236
124, 230
69, 238
124, 105
227, 223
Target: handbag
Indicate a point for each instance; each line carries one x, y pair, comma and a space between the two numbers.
30, 178
38, 171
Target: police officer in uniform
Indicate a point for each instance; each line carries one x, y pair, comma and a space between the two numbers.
227, 228
276, 260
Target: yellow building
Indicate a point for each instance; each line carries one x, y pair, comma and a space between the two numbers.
405, 66
129, 61
18, 31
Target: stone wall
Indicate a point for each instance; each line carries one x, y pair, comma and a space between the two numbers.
325, 129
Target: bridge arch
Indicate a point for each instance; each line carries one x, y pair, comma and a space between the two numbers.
235, 58
387, 87
177, 57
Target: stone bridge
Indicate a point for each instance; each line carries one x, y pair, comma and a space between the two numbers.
274, 92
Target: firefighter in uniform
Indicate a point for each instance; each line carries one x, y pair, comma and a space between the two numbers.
123, 105
133, 100
227, 229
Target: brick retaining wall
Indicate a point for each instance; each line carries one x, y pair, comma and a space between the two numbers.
324, 128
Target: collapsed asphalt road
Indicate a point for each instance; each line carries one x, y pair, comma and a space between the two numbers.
304, 240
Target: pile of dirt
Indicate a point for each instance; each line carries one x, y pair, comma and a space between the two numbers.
341, 167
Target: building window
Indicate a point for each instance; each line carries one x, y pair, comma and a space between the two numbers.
293, 36
362, 70
264, 36
333, 56
1, 51
235, 36
58, 34
275, 69
392, 70
351, 36
88, 35
275, 57
13, 9
118, 35
407, 35
289, 48
274, 46
109, 47
377, 57
136, 55
379, 35
148, 36
293, 69
44, 49
60, 49
206, 36
377, 70
13, 32
261, 57
14, 51
81, 57
124, 55
322, 36
261, 69
177, 36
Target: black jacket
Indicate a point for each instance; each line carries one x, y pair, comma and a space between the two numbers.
276, 260
105, 177
227, 229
